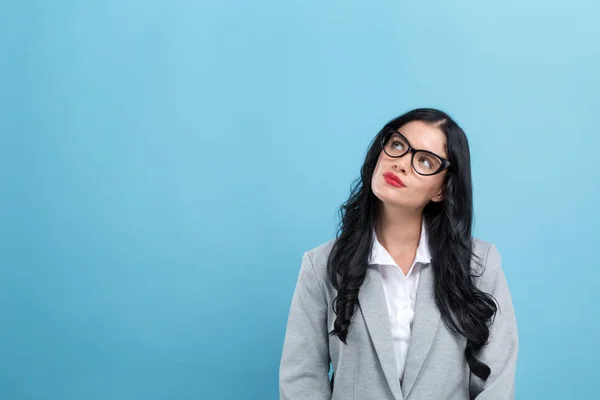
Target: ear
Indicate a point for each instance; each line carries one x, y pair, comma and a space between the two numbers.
439, 196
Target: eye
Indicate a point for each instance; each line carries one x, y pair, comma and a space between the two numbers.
397, 144
426, 162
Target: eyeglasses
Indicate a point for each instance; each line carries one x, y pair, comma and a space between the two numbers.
396, 145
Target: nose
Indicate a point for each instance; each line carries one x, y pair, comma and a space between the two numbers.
402, 164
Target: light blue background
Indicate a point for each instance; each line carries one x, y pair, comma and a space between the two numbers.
164, 165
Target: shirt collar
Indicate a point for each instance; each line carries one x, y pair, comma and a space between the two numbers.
379, 255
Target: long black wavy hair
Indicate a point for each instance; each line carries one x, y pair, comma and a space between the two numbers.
464, 308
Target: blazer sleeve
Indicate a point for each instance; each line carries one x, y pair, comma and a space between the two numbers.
304, 366
500, 352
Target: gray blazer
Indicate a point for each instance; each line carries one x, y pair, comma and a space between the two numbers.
365, 368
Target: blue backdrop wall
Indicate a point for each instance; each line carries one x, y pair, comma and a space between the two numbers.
164, 165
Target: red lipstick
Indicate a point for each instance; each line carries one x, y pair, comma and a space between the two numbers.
393, 180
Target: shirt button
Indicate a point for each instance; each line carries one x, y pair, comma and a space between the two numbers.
405, 307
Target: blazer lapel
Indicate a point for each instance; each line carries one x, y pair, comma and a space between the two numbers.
424, 327
371, 299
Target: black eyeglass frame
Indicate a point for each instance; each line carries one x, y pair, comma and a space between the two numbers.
391, 131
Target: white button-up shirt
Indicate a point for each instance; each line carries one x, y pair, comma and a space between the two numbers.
400, 292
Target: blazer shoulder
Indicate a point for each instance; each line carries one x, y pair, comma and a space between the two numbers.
318, 255
487, 263
480, 247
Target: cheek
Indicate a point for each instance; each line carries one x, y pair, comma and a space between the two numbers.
376, 171
426, 188
374, 182
434, 187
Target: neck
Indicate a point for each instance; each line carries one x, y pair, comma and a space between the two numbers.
398, 230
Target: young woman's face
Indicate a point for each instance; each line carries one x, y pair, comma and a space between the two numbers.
418, 190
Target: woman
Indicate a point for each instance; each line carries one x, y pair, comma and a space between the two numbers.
404, 302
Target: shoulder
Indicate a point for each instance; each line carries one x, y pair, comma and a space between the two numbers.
322, 250
486, 263
316, 257
480, 246
482, 249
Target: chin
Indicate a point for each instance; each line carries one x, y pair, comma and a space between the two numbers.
389, 197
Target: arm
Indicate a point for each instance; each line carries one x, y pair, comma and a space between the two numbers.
500, 353
304, 367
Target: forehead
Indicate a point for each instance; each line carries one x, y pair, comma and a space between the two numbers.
423, 136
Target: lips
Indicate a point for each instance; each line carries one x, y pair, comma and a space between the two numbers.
394, 178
